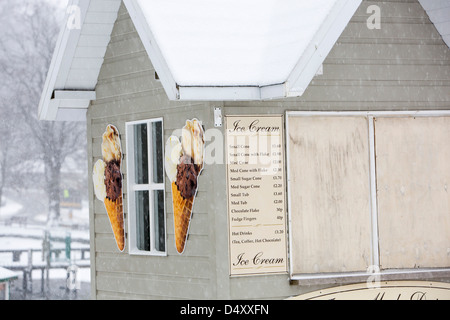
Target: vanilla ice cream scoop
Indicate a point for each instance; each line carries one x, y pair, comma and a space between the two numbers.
173, 152
111, 148
192, 141
198, 143
98, 177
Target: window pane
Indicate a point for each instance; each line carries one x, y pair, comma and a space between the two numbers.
157, 137
142, 221
158, 211
141, 153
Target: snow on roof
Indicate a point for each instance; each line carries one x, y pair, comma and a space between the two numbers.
233, 42
238, 50
6, 275
206, 49
201, 49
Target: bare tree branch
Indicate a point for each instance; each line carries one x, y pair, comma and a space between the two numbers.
26, 50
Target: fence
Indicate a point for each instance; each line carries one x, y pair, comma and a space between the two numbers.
78, 257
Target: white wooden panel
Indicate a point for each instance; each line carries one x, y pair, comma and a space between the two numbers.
104, 6
71, 115
90, 52
97, 29
86, 63
329, 194
93, 40
87, 75
413, 179
101, 17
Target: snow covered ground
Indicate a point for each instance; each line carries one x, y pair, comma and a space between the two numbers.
24, 243
15, 235
9, 208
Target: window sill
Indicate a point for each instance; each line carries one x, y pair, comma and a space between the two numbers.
136, 252
355, 277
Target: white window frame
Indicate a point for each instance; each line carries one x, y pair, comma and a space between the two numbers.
132, 187
373, 273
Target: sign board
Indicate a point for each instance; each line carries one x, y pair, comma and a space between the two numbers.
391, 290
256, 195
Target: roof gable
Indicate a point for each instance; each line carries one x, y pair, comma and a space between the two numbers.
233, 43
217, 61
213, 50
77, 60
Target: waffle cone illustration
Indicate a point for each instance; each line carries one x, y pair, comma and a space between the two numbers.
182, 211
115, 214
107, 178
184, 163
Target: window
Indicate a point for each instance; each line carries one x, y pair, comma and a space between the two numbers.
146, 194
368, 191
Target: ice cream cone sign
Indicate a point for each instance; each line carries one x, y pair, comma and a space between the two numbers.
107, 178
184, 162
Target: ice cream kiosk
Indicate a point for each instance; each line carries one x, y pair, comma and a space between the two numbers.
262, 149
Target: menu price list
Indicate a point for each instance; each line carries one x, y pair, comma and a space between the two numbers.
256, 197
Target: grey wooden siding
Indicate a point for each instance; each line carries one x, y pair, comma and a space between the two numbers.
127, 91
403, 66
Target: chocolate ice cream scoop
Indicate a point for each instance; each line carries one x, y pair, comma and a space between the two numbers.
187, 173
113, 180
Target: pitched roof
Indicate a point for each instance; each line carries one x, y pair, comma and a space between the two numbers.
77, 60
201, 49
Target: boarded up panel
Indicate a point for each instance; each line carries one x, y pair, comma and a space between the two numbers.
413, 182
329, 194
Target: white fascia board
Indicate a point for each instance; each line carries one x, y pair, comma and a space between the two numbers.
320, 46
71, 115
68, 99
219, 93
152, 48
273, 91
61, 61
74, 95
238, 93
68, 105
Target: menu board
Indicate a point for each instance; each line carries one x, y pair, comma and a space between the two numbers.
256, 195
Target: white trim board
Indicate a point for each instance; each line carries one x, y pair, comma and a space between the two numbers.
66, 46
150, 44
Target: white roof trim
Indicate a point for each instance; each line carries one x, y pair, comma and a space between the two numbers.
320, 47
238, 93
61, 103
66, 46
74, 95
149, 42
69, 105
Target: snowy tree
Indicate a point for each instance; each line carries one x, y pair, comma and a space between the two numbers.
27, 42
